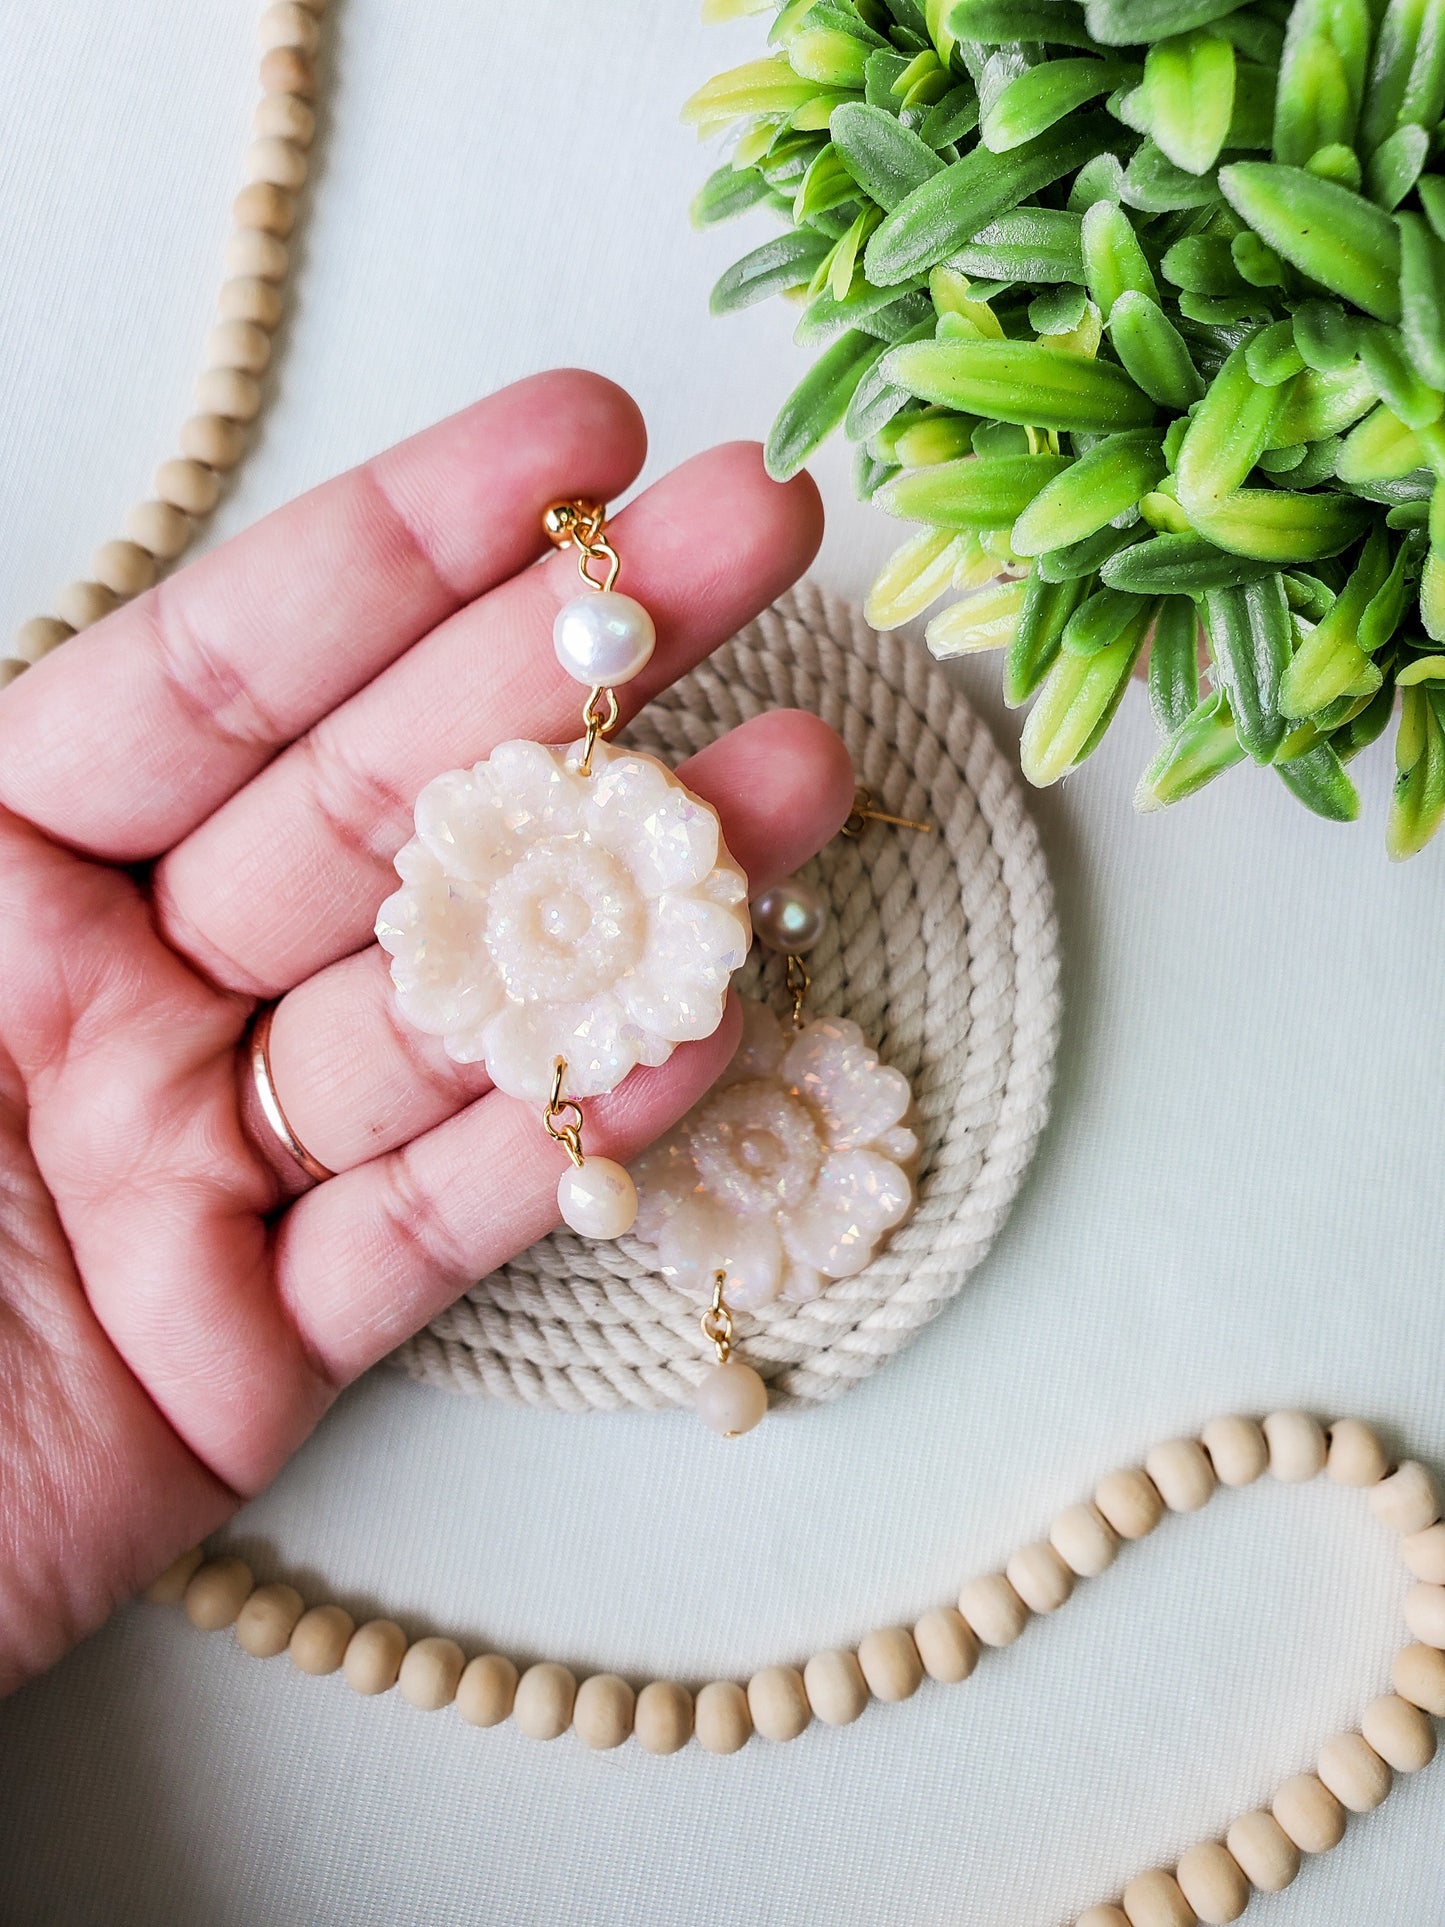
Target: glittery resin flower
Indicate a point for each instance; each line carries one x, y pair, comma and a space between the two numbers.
546, 914
789, 1173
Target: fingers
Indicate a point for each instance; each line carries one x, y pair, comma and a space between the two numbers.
287, 876
135, 731
356, 1080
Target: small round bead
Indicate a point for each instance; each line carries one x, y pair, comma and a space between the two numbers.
262, 205
238, 344
603, 638
249, 298
277, 161
10, 668
545, 1697
125, 568
169, 1587
994, 1611
890, 1663
778, 1703
722, 1717
603, 1714
790, 917
158, 527
598, 1198
1296, 1446
251, 253
217, 1592
1130, 1502
1040, 1577
1153, 1899
1356, 1456
1354, 1772
1424, 1554
266, 1622
284, 117
946, 1644
1181, 1470
38, 636
1267, 1856
1400, 1733
373, 1657
1419, 1675
286, 70
212, 440
1406, 1501
731, 1399
1084, 1540
81, 603
1102, 1917
1309, 1813
1425, 1613
188, 486
319, 1645
836, 1688
487, 1689
229, 392
663, 1719
1212, 1881
429, 1673
1237, 1449
288, 26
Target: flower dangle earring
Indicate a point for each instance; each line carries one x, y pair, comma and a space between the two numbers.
568, 912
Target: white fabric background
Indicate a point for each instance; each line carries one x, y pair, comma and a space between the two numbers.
1236, 1205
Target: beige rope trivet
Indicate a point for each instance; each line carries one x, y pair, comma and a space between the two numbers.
942, 947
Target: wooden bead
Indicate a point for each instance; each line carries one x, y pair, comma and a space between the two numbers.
663, 1719
1419, 1675
1237, 1449
1181, 1470
81, 603
238, 344
1354, 1772
217, 1592
251, 253
946, 1645
1213, 1882
778, 1703
11, 667
545, 1697
373, 1657
312, 6
836, 1688
487, 1689
429, 1673
1356, 1456
602, 1717
213, 441
159, 528
188, 486
1309, 1813
229, 392
1296, 1446
249, 298
1084, 1540
1407, 1500
1400, 1733
285, 118
1102, 1917
1424, 1554
125, 568
1040, 1577
1425, 1613
34, 639
286, 25
1130, 1502
286, 70
1267, 1857
322, 1640
890, 1663
169, 1587
262, 205
266, 1622
1153, 1899
994, 1611
722, 1718
280, 162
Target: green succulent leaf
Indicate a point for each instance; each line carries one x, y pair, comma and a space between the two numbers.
1017, 381
1317, 777
1335, 237
1201, 746
975, 492
819, 402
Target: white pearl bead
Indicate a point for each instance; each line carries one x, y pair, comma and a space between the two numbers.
732, 1399
790, 917
603, 638
597, 1199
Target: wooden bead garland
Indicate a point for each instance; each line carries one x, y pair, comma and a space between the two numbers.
1262, 1851
238, 348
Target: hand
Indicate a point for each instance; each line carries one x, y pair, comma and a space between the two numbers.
200, 799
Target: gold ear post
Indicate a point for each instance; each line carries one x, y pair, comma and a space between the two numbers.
863, 813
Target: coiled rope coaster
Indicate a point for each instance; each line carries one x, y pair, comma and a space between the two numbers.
942, 947
1212, 1882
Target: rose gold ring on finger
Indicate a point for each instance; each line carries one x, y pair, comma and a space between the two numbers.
259, 1051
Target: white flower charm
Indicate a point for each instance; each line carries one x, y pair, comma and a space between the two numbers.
546, 914
789, 1173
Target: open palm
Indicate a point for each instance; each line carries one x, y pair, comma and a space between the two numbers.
199, 803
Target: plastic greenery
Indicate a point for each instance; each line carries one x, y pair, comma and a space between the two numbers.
1142, 318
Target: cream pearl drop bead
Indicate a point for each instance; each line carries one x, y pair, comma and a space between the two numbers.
168, 1588
287, 25
320, 1641
1153, 1899
1130, 1502
1237, 1449
1354, 1772
1424, 1554
597, 1198
38, 636
836, 1688
1425, 1614
429, 1673
1406, 1501
731, 1399
789, 918
545, 1697
229, 392
946, 1644
213, 441
1084, 1540
373, 1657
1213, 1882
285, 118
251, 252
249, 298
266, 1622
125, 568
603, 1713
81, 603
1418, 1673
993, 1610
286, 70
1296, 1447
603, 638
188, 486
1309, 1813
890, 1663
723, 1717
1356, 1456
1267, 1856
662, 1720
1040, 1577
280, 162
487, 1690
1181, 1470
1400, 1733
217, 1592
778, 1703
238, 344
159, 528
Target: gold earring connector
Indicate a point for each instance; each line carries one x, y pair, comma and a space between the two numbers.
562, 1117
717, 1320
